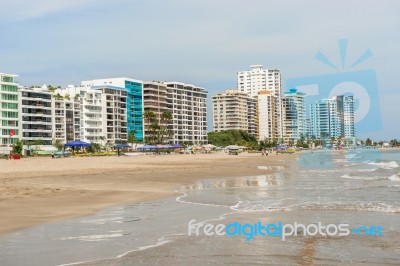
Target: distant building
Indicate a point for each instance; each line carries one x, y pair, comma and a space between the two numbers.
189, 109
234, 110
266, 116
258, 79
333, 118
294, 116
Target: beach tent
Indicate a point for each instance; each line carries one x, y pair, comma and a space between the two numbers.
176, 146
121, 146
210, 146
147, 147
77, 143
233, 147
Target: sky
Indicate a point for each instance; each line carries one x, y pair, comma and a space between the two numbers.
201, 42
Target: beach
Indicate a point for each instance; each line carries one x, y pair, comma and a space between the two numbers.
138, 210
41, 190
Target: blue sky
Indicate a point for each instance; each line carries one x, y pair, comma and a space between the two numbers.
200, 42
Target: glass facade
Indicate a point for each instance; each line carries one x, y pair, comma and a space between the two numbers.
135, 108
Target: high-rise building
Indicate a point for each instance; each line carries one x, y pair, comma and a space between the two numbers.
155, 100
234, 110
258, 79
9, 118
266, 118
333, 118
189, 109
35, 115
294, 116
134, 100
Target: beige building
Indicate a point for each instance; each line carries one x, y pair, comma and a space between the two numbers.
234, 110
266, 116
155, 100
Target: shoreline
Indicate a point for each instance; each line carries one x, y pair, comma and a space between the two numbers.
36, 191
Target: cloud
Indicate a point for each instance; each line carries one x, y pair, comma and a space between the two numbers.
20, 10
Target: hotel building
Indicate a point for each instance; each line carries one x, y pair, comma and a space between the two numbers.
234, 110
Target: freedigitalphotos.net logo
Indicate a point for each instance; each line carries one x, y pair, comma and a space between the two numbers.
249, 230
361, 84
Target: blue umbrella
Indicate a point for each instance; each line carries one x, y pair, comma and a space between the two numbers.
77, 143
122, 146
176, 146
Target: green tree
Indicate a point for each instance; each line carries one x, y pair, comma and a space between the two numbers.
18, 147
368, 142
58, 144
165, 121
232, 137
132, 137
150, 121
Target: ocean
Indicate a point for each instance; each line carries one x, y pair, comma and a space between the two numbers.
358, 188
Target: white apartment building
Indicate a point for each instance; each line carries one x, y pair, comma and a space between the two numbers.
259, 79
134, 101
189, 109
294, 116
35, 115
90, 114
9, 119
66, 120
348, 117
234, 110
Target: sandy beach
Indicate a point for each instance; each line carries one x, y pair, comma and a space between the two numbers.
41, 190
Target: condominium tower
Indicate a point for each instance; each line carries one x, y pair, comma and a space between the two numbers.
333, 118
234, 110
294, 115
188, 104
9, 122
254, 81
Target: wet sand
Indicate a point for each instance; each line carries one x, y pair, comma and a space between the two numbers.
40, 190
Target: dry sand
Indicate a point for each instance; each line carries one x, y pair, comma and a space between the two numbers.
41, 190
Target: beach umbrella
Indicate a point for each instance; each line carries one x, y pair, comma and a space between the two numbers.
176, 146
121, 146
147, 147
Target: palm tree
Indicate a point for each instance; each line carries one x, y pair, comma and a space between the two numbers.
150, 119
132, 137
166, 119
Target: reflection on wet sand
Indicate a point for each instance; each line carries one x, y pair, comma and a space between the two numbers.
238, 182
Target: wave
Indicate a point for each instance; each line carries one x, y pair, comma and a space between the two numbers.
271, 168
357, 206
388, 165
394, 177
363, 177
